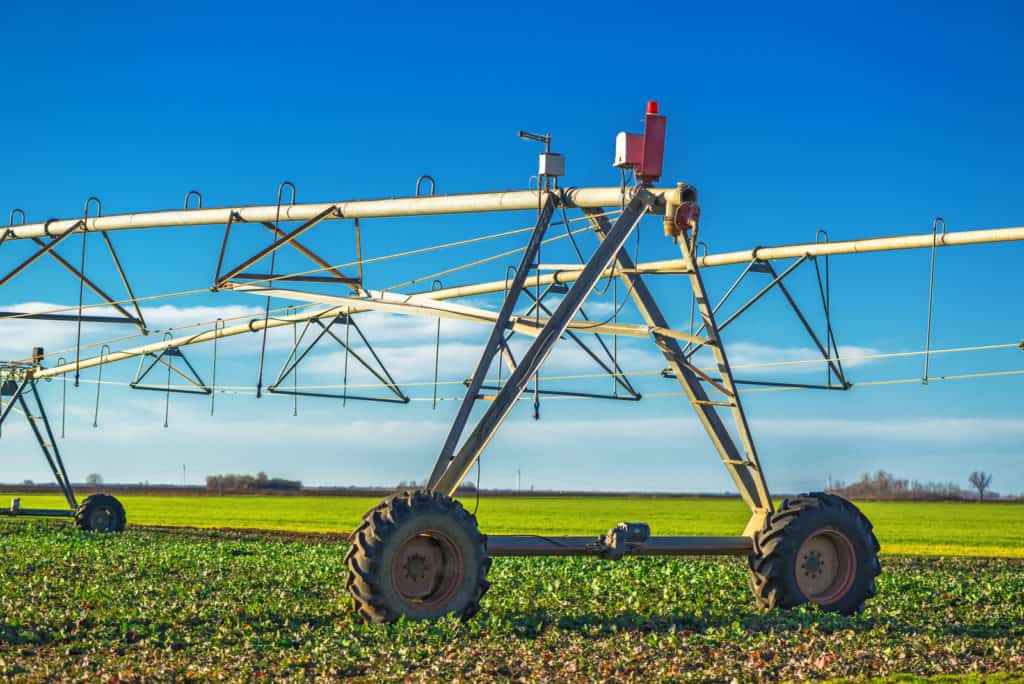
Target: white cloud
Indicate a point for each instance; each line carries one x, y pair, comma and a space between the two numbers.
369, 444
168, 315
926, 430
754, 358
18, 336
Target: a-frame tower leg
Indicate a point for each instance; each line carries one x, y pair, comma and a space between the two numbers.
16, 391
451, 467
743, 465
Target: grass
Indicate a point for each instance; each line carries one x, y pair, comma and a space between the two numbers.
946, 529
158, 605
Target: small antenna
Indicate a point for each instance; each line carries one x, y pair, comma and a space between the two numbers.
546, 139
551, 164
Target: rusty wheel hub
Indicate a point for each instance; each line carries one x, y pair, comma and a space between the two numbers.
101, 519
825, 566
427, 569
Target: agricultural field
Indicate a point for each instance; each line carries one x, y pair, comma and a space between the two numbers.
957, 529
157, 605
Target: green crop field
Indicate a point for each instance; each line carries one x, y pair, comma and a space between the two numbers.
159, 604
954, 529
156, 605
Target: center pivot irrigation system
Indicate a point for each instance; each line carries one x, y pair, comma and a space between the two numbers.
419, 553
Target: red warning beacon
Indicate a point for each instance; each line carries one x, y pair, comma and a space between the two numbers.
643, 153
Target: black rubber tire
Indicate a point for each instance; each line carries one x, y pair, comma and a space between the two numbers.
101, 513
773, 564
390, 524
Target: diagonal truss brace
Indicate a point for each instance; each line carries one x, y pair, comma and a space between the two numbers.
609, 363
281, 239
451, 467
166, 358
291, 365
49, 248
495, 342
835, 366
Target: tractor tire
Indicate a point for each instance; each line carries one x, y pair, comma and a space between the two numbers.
418, 555
101, 513
816, 548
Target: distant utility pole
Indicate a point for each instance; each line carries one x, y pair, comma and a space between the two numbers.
519, 481
184, 475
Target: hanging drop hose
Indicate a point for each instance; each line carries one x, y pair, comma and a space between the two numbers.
217, 325
81, 281
510, 274
437, 285
295, 371
348, 332
617, 307
169, 360
104, 352
64, 397
931, 294
273, 260
826, 298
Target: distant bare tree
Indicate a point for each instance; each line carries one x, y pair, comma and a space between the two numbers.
94, 479
980, 480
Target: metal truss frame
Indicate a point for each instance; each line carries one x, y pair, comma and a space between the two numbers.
740, 459
833, 364
609, 364
295, 357
281, 239
166, 357
714, 397
49, 248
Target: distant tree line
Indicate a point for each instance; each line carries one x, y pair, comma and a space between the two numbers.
883, 486
232, 484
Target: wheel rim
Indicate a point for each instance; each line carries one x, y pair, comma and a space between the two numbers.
825, 566
427, 569
101, 519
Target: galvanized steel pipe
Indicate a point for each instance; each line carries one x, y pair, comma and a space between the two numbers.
512, 200
569, 274
971, 237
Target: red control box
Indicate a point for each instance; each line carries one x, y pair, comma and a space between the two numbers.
645, 154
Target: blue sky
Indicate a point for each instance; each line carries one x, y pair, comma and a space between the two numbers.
863, 120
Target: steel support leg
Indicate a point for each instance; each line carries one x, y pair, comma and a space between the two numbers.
744, 466
45, 437
496, 342
454, 469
